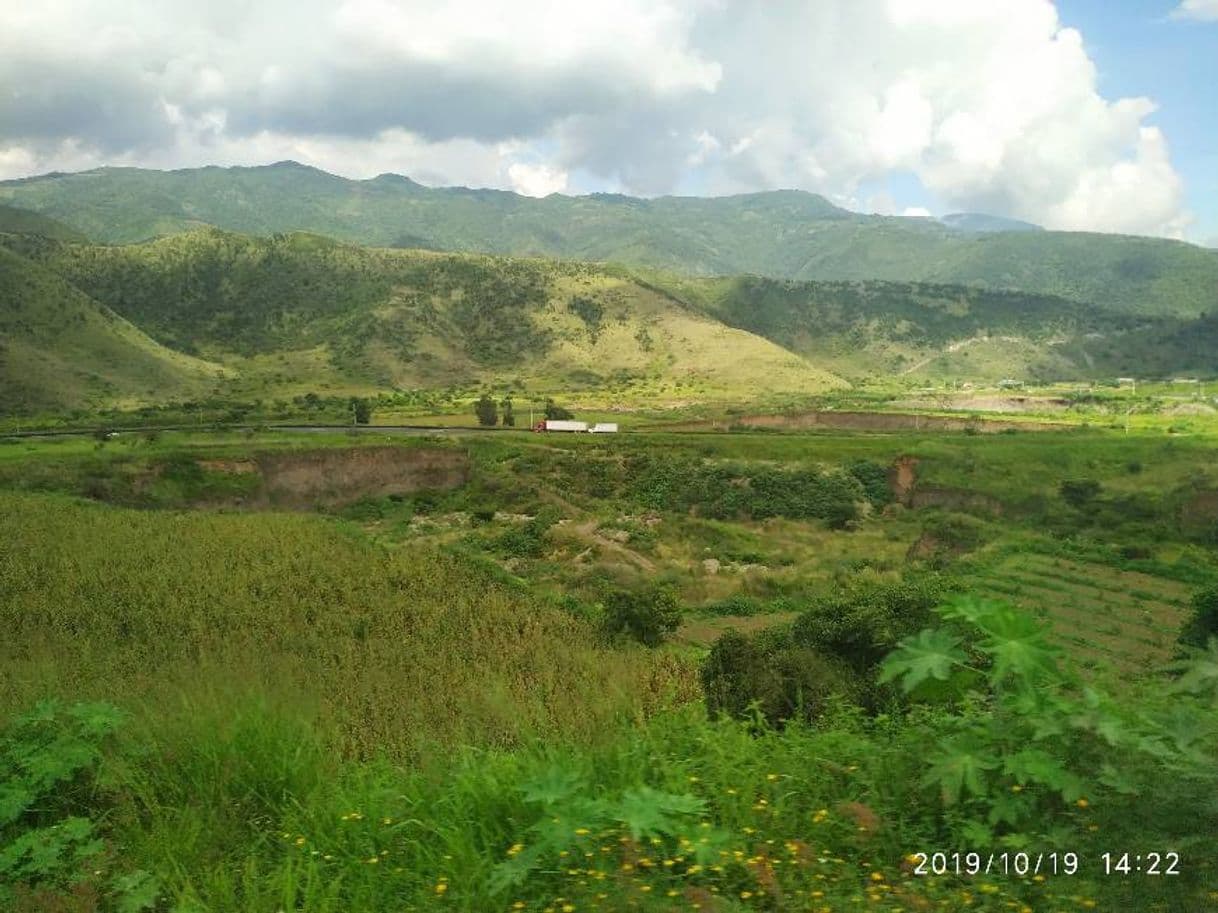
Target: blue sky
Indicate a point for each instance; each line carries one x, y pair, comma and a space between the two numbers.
1139, 50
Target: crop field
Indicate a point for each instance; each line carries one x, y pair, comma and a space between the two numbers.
423, 651
1101, 614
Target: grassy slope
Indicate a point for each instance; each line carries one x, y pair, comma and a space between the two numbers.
60, 348
26, 222
301, 312
865, 330
255, 691
782, 234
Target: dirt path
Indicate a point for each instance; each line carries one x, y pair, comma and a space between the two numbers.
587, 532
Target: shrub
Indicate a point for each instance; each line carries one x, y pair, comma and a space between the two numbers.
647, 615
1078, 493
1204, 621
861, 624
768, 674
874, 479
529, 539
486, 411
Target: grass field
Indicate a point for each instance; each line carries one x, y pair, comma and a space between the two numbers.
1099, 613
408, 698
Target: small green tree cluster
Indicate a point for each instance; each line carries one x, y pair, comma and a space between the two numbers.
486, 411
834, 647
648, 615
557, 412
1203, 624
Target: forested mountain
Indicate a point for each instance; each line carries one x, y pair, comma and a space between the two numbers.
59, 348
781, 234
267, 317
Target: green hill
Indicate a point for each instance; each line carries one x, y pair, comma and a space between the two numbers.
295, 313
59, 348
298, 313
865, 330
783, 234
25, 222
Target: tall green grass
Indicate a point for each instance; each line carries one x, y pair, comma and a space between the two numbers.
400, 649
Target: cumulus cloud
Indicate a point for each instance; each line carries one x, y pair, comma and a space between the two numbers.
1205, 10
993, 106
536, 180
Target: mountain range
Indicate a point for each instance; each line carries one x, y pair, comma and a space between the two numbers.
784, 234
698, 300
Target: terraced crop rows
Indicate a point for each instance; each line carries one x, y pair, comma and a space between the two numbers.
1101, 614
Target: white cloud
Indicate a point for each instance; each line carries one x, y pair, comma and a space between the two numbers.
919, 212
536, 180
1205, 10
994, 106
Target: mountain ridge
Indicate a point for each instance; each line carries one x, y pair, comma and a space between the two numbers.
787, 234
300, 312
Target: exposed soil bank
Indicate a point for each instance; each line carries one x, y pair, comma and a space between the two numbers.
335, 477
893, 421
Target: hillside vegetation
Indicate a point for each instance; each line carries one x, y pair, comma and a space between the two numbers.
298, 313
782, 234
864, 330
60, 348
25, 222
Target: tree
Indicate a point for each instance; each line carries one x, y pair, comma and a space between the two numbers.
361, 410
646, 615
769, 674
557, 412
486, 410
508, 416
1078, 493
1204, 623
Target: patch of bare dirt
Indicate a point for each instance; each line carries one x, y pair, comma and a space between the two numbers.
335, 477
892, 421
232, 467
992, 403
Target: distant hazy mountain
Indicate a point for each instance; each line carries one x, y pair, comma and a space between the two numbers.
781, 234
979, 221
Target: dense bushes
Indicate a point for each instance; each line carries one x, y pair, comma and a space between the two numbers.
770, 675
834, 647
1204, 622
723, 491
862, 623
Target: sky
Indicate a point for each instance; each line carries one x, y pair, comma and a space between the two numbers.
1076, 114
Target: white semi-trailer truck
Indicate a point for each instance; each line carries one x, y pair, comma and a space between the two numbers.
554, 424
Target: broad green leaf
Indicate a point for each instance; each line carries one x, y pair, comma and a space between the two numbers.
977, 833
648, 812
1009, 808
1017, 645
959, 767
972, 609
136, 892
931, 654
552, 786
1199, 671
